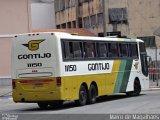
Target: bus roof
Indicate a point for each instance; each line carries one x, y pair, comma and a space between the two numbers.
70, 36
64, 35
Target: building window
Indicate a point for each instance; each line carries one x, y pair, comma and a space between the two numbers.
73, 24
149, 41
56, 5
64, 25
72, 3
58, 26
67, 4
69, 25
86, 22
62, 4
117, 15
100, 18
80, 22
100, 6
80, 2
93, 20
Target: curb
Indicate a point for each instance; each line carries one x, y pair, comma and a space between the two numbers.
6, 94
154, 88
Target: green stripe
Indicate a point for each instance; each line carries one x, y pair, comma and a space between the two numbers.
120, 76
126, 76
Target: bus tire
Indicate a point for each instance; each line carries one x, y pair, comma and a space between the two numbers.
43, 105
56, 103
137, 89
82, 96
92, 94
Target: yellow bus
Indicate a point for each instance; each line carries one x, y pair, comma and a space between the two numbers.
51, 67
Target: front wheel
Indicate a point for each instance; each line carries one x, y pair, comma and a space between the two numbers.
82, 96
137, 89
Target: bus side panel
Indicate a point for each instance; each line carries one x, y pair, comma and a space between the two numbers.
105, 82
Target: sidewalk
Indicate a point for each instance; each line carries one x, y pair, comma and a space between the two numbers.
154, 85
5, 90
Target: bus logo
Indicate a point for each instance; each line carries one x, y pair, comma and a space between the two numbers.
33, 45
136, 65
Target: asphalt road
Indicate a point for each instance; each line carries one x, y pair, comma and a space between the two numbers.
147, 102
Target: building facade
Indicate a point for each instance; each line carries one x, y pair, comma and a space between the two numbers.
15, 19
123, 18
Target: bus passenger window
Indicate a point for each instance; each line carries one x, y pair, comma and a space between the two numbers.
123, 50
68, 50
113, 50
89, 50
134, 50
102, 50
77, 50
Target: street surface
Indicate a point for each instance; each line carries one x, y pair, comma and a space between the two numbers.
147, 102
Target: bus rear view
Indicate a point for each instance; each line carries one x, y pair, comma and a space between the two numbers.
33, 68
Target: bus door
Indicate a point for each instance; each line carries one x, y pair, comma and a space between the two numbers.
143, 57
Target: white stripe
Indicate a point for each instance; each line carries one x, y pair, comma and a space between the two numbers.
89, 67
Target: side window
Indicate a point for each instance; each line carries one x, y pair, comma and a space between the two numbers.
89, 50
113, 49
77, 50
133, 50
102, 50
68, 50
123, 47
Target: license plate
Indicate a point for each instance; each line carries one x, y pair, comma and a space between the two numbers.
38, 85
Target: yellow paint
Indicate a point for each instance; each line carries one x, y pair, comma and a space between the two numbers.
69, 89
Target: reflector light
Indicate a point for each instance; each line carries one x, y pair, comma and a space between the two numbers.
58, 79
36, 81
34, 71
13, 84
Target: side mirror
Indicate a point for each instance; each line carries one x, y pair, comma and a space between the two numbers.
149, 60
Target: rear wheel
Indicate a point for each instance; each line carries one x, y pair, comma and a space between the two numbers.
92, 94
82, 96
43, 105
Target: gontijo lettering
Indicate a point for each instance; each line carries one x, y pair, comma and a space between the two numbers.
98, 66
34, 56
